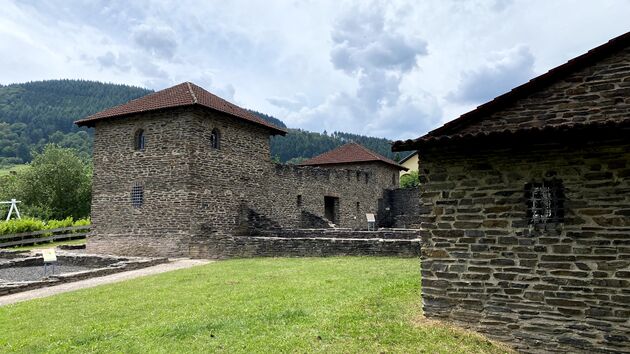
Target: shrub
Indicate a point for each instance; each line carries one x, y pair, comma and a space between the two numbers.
83, 222
56, 224
16, 226
410, 180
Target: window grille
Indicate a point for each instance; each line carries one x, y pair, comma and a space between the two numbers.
139, 140
137, 195
215, 138
545, 202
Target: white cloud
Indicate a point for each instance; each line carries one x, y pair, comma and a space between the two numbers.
503, 71
395, 69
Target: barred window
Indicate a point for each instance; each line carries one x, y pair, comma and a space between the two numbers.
137, 195
215, 138
138, 140
545, 202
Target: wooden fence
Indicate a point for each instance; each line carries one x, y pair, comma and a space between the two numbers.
29, 238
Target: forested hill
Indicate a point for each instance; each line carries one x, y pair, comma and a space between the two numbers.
36, 113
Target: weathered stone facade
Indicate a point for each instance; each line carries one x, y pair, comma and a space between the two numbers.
195, 195
539, 287
558, 286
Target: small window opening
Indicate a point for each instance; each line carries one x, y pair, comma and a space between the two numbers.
394, 178
545, 202
139, 140
358, 207
348, 175
215, 138
299, 201
137, 195
367, 178
358, 175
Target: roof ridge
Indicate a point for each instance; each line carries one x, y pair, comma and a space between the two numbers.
192, 93
350, 152
571, 65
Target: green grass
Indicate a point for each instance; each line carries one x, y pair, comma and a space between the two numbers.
322, 305
6, 169
49, 245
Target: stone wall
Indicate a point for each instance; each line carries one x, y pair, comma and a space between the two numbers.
162, 225
192, 190
311, 243
562, 286
598, 93
400, 208
358, 188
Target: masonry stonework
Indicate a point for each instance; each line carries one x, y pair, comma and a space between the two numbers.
549, 287
196, 197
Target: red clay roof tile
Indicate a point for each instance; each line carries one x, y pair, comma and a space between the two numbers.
184, 94
349, 153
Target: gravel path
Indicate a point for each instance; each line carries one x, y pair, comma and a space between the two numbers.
108, 279
36, 272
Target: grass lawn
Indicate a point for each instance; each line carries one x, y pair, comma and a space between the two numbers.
325, 305
5, 170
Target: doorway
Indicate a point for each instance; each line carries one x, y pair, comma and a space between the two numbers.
331, 209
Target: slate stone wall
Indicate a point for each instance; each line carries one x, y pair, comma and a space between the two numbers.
311, 243
358, 187
162, 225
400, 208
192, 190
559, 287
598, 93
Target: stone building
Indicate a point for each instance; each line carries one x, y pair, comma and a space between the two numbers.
181, 171
526, 210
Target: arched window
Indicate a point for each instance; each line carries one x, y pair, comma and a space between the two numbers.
138, 140
215, 139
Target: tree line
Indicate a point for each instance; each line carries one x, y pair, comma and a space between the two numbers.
35, 114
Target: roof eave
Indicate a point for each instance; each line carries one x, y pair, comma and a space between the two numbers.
91, 122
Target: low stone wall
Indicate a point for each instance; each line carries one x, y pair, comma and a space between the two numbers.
102, 265
386, 234
310, 243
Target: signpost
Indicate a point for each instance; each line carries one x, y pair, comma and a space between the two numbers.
371, 222
50, 258
13, 207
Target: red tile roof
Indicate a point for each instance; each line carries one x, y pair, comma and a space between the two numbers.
451, 130
349, 153
184, 94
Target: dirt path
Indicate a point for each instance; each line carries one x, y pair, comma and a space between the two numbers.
92, 282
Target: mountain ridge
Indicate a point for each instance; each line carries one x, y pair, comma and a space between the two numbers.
35, 113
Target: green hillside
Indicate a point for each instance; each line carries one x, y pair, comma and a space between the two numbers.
33, 114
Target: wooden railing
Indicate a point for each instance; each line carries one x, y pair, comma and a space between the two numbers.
29, 238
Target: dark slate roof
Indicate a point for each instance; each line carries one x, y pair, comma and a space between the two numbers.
348, 154
453, 129
184, 94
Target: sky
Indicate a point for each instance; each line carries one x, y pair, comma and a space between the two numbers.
394, 69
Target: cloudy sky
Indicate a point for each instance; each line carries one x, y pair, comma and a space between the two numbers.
394, 68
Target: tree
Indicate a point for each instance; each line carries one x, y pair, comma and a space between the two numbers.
57, 184
409, 180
